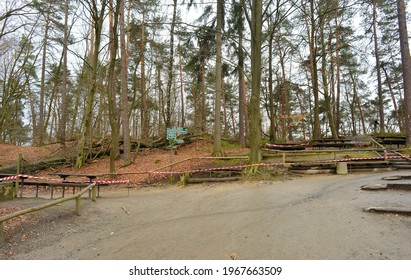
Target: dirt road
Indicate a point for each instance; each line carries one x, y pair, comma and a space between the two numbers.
314, 217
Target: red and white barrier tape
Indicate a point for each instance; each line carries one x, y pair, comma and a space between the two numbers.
109, 182
275, 164
98, 182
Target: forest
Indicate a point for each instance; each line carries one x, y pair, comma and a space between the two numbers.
245, 70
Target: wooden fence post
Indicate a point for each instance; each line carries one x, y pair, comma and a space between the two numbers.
94, 193
1, 234
18, 170
78, 205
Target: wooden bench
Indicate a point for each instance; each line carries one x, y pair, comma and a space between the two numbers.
391, 140
332, 143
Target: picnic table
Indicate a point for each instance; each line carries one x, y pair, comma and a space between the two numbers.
25, 180
74, 184
64, 176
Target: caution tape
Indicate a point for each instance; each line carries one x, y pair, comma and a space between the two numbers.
274, 164
98, 182
109, 182
9, 178
216, 168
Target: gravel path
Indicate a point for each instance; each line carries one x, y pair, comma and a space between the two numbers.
311, 217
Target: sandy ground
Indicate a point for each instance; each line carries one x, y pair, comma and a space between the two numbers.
311, 217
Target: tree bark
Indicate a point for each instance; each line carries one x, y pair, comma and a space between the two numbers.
256, 24
310, 26
144, 110
42, 83
63, 119
406, 67
111, 84
327, 99
217, 148
378, 68
124, 86
168, 109
85, 141
242, 86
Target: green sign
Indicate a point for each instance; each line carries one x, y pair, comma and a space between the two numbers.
172, 136
171, 133
181, 130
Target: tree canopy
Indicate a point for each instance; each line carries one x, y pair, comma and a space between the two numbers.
240, 69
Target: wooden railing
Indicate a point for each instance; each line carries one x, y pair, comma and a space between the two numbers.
77, 197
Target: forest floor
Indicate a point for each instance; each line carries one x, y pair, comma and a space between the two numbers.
286, 217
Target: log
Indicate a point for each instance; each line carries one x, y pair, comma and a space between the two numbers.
207, 180
37, 166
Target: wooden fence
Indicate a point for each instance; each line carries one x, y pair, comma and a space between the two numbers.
77, 197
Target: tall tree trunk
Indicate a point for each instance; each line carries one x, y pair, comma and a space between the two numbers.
406, 67
160, 99
287, 128
41, 124
144, 111
309, 19
111, 84
125, 121
203, 109
242, 87
63, 119
271, 88
168, 109
327, 99
217, 148
256, 23
378, 68
338, 74
183, 118
85, 140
